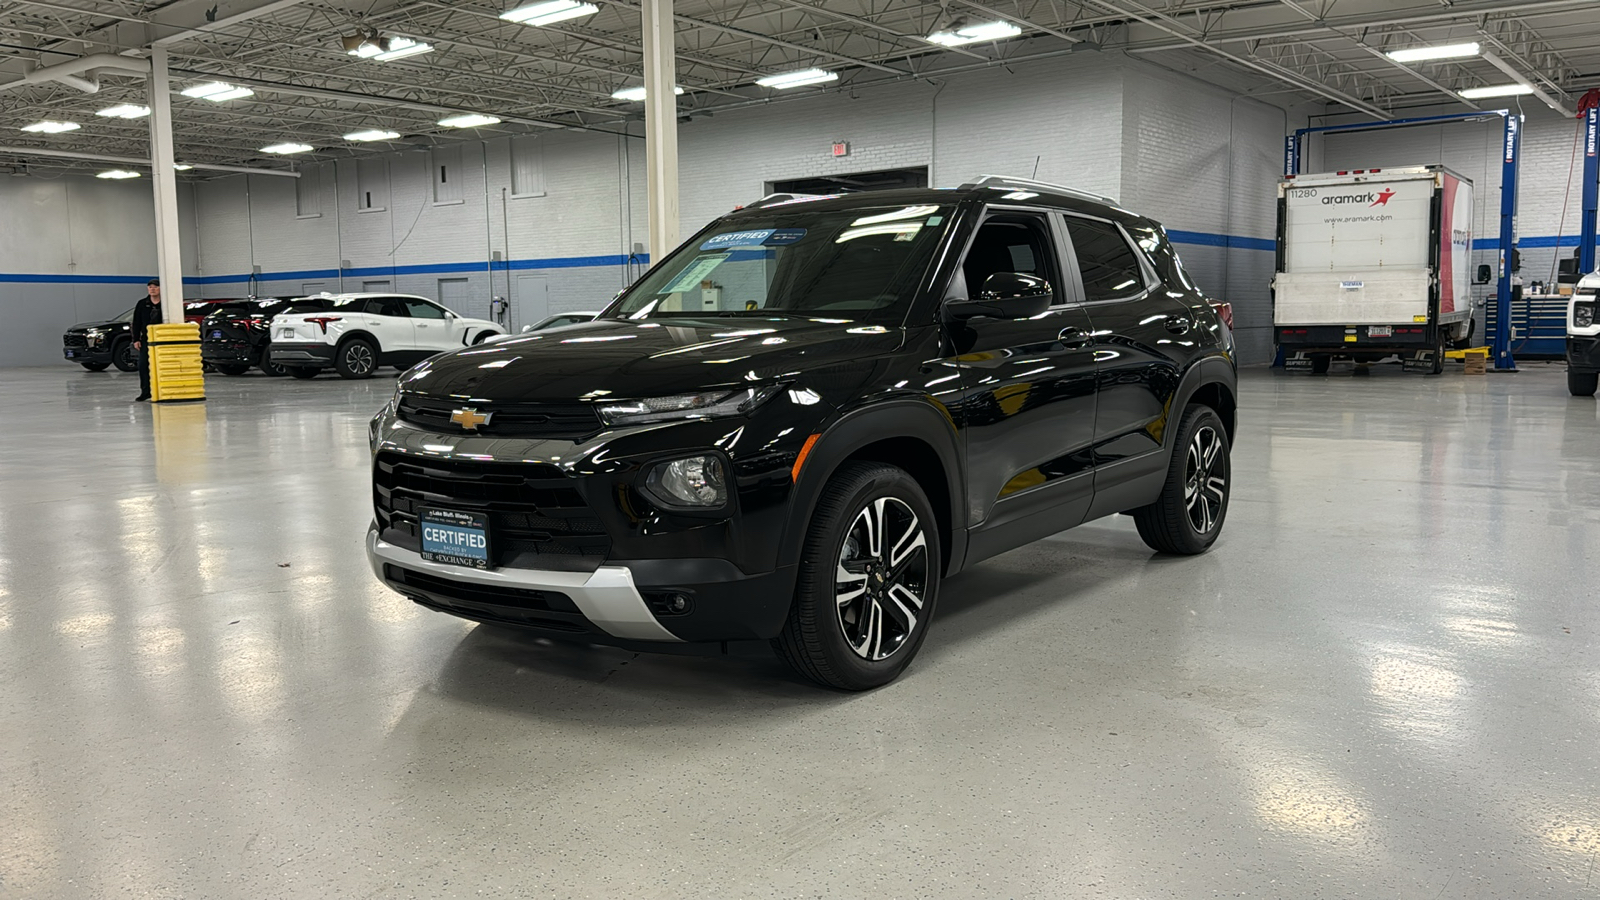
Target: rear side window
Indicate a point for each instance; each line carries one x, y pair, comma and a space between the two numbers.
1110, 269
388, 306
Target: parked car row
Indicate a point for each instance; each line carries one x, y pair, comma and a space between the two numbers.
353, 334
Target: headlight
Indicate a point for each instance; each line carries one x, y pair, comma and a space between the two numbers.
1582, 315
707, 405
698, 482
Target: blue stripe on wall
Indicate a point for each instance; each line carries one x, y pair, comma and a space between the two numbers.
1193, 238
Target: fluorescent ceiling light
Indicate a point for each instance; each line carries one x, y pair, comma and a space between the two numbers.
117, 174
48, 127
399, 48
217, 91
468, 120
376, 134
125, 111
182, 167
636, 94
288, 147
1498, 90
549, 12
971, 34
796, 79
1423, 54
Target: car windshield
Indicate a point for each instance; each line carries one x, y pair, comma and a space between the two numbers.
126, 317
861, 263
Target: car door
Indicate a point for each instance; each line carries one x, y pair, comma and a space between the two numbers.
1143, 333
390, 322
434, 327
1026, 390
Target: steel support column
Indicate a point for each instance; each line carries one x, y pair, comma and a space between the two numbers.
660, 126
169, 261
1591, 189
1511, 151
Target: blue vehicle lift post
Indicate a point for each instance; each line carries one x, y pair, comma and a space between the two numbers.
1500, 341
1591, 190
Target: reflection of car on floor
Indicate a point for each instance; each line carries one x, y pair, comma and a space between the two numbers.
357, 333
794, 426
99, 345
236, 337
559, 320
1583, 337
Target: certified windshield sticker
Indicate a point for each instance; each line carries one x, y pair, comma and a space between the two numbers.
770, 237
698, 271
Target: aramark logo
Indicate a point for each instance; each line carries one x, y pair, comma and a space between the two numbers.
1384, 198
1344, 199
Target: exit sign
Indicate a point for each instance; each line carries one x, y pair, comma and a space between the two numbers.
841, 148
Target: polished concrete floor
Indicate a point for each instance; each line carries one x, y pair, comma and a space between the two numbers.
1383, 682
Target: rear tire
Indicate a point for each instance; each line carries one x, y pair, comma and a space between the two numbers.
303, 372
1320, 363
95, 367
1188, 515
356, 358
868, 580
268, 367
125, 357
231, 370
1582, 384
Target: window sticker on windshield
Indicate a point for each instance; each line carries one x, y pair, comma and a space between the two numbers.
697, 272
770, 237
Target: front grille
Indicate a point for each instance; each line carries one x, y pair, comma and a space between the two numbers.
559, 421
537, 519
74, 340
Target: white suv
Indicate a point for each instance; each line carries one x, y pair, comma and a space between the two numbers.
357, 333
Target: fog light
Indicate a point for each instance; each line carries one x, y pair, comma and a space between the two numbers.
668, 603
1582, 315
697, 481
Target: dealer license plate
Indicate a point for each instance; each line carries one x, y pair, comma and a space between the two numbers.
216, 334
1380, 331
71, 354
454, 537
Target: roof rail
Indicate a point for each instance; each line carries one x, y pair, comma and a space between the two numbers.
1003, 181
786, 197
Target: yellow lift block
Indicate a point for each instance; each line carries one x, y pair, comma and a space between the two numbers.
175, 369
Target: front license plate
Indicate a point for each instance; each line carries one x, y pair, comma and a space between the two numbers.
454, 537
216, 334
1380, 331
71, 354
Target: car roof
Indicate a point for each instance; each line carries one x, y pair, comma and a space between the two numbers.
362, 296
985, 189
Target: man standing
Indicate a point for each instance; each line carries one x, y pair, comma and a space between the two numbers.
147, 313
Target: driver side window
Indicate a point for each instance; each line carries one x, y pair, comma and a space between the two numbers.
1010, 242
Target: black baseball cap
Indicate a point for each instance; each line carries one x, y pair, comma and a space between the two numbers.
154, 281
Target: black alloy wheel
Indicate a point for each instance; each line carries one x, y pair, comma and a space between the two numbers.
95, 367
125, 357
868, 581
357, 359
1188, 516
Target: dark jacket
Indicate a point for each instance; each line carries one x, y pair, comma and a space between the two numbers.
145, 314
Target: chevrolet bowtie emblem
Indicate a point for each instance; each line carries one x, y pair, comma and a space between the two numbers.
469, 418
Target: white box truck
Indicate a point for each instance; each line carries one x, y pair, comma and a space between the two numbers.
1373, 263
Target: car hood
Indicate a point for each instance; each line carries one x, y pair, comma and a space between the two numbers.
621, 359
85, 326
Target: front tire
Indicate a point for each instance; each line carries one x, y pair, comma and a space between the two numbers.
357, 358
231, 369
125, 357
303, 373
1582, 384
95, 367
868, 580
1188, 515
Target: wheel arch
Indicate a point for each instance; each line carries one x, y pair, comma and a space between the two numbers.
1214, 382
913, 435
369, 337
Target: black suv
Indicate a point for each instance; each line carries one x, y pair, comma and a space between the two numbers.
98, 345
235, 337
793, 427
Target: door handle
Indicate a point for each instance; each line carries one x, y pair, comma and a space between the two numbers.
421, 325
1072, 337
1178, 325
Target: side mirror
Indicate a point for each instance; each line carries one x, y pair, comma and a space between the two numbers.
527, 329
1485, 275
1005, 295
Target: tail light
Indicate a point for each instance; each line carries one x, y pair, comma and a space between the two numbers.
322, 321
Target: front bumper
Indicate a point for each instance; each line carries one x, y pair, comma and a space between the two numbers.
1583, 353
228, 352
319, 355
87, 355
